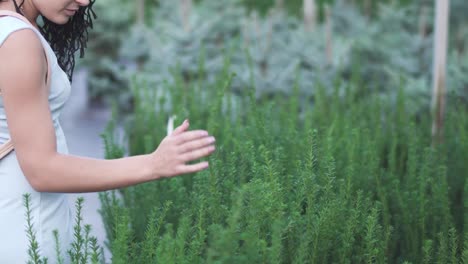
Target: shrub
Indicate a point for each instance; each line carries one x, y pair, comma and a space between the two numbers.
347, 180
83, 249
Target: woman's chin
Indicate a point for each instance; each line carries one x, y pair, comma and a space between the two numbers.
62, 20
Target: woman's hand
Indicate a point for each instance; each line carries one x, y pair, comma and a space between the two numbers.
177, 149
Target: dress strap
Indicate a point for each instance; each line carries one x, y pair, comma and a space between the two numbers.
7, 147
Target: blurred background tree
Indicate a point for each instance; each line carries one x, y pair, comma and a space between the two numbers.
380, 39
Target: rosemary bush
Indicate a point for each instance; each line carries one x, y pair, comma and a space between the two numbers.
84, 247
349, 179
346, 180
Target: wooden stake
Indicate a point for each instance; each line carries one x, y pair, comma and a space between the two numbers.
368, 7
185, 12
140, 11
329, 36
310, 13
423, 21
279, 4
439, 70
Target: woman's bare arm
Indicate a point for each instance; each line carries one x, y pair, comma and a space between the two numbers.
25, 96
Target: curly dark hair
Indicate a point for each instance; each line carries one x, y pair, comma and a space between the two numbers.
66, 39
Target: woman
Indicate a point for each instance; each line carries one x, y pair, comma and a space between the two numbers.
34, 85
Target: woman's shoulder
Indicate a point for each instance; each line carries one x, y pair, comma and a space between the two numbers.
9, 24
18, 45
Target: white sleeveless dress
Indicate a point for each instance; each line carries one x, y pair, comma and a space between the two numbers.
49, 210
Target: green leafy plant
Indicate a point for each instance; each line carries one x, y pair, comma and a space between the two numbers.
83, 249
345, 180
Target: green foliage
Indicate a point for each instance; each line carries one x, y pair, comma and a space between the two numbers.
58, 252
104, 42
275, 53
295, 7
346, 180
383, 52
33, 251
319, 160
83, 249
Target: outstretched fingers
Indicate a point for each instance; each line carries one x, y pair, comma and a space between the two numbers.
197, 144
198, 153
180, 129
190, 136
192, 168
